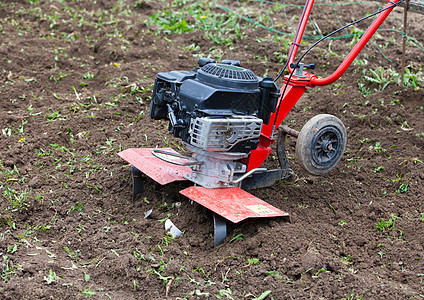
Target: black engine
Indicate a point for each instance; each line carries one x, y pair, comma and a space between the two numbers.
215, 107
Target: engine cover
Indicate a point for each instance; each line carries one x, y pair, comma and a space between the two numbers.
216, 107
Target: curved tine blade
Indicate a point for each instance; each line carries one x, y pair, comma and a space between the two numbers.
220, 227
281, 154
137, 182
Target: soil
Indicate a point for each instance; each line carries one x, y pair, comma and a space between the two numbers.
76, 79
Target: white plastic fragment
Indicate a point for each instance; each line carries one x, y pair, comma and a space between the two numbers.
172, 229
148, 213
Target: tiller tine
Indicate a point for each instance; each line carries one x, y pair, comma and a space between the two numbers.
232, 204
220, 229
137, 182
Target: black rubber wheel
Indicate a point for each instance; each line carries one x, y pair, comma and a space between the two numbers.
321, 144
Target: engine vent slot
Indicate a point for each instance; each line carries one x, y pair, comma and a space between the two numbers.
228, 76
228, 71
221, 134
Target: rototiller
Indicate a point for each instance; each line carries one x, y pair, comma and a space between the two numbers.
227, 117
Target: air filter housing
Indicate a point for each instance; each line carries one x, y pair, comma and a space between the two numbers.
228, 76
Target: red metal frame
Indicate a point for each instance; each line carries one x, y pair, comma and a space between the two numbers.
294, 88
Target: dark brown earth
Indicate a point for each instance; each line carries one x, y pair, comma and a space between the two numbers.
75, 87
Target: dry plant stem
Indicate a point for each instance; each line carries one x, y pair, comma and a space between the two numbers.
168, 287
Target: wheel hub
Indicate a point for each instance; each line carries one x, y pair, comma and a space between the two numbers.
326, 146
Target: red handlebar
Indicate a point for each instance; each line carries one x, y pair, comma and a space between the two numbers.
353, 53
300, 30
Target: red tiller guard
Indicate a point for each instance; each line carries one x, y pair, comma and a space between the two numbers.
296, 86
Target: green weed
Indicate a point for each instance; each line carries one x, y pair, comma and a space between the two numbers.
322, 270
377, 148
7, 268
18, 200
237, 236
264, 295
87, 75
58, 77
87, 292
73, 255
380, 76
403, 188
346, 260
275, 273
384, 77
225, 293
363, 90
52, 277
342, 223
378, 169
352, 296
253, 261
56, 115
388, 225
413, 79
78, 207
171, 21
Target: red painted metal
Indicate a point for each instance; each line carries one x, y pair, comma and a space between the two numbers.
295, 89
233, 204
299, 34
157, 169
355, 51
